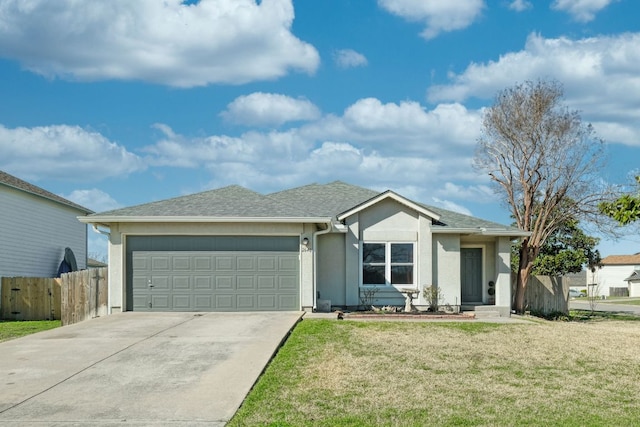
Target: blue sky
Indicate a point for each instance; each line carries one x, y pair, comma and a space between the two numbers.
115, 103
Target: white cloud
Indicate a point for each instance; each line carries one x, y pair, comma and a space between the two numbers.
439, 16
452, 206
520, 5
64, 152
348, 58
168, 42
600, 77
94, 199
264, 109
581, 10
392, 145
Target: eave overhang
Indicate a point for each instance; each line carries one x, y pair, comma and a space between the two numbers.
199, 219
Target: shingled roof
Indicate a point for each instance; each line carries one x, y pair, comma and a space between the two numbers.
622, 260
311, 203
18, 184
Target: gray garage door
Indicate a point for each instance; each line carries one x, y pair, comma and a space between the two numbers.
220, 280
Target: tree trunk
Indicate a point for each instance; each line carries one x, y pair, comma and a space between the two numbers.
524, 270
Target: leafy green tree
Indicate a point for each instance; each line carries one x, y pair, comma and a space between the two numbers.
545, 164
567, 250
625, 209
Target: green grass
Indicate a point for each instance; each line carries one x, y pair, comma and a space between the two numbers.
16, 329
588, 316
364, 373
627, 301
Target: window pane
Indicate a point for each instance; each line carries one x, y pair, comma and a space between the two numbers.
373, 275
401, 252
373, 252
402, 274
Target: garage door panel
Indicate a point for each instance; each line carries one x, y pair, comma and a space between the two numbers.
214, 281
202, 283
181, 282
267, 302
181, 263
288, 302
159, 263
245, 263
160, 302
287, 264
266, 263
287, 283
160, 283
224, 283
202, 263
203, 302
181, 302
225, 263
245, 283
225, 301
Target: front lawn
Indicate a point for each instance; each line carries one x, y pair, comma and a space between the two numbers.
15, 329
357, 373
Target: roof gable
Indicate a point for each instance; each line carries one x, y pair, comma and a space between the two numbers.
18, 184
389, 195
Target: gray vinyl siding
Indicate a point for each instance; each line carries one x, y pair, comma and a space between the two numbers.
34, 232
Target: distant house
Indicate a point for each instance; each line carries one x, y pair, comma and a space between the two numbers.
94, 263
35, 228
335, 244
616, 272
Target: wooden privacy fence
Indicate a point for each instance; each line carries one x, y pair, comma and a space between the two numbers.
547, 295
30, 298
84, 295
74, 297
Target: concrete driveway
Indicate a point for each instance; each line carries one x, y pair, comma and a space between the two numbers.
138, 368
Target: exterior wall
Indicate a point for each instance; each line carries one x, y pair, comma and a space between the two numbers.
117, 250
331, 271
611, 276
446, 262
503, 273
34, 232
387, 221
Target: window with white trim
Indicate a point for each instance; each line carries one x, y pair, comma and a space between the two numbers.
387, 263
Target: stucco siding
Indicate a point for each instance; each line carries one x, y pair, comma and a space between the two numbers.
331, 272
34, 233
446, 256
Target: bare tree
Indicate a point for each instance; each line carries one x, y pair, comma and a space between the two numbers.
545, 163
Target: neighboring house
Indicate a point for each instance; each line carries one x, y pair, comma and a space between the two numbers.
576, 281
618, 271
233, 249
94, 263
35, 228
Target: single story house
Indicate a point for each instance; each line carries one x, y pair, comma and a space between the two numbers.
233, 249
617, 271
36, 226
